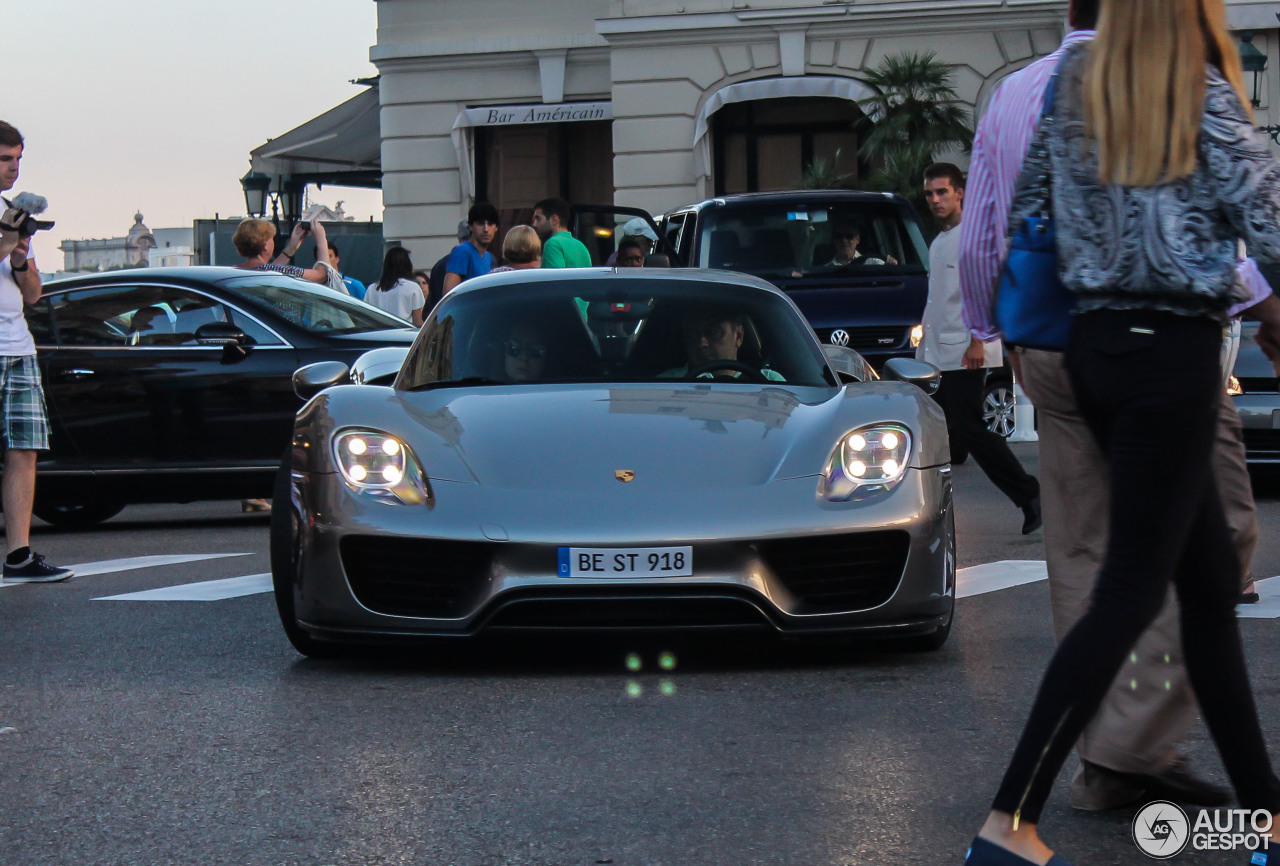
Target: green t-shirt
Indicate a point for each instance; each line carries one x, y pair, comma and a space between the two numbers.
563, 250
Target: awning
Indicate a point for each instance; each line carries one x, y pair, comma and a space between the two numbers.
515, 115
768, 88
342, 146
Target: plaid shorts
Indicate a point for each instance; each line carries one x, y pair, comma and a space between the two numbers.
26, 422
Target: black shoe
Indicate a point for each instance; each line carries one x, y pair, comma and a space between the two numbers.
1178, 784
35, 570
1031, 511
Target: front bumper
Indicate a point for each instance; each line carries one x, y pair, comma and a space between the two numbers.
777, 558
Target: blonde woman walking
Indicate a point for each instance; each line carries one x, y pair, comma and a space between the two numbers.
1157, 172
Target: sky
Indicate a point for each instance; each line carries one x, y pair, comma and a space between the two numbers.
154, 105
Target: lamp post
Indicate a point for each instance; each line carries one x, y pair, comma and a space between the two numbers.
256, 187
1254, 61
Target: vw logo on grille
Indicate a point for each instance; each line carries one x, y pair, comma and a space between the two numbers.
839, 337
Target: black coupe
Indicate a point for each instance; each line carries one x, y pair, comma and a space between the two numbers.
175, 384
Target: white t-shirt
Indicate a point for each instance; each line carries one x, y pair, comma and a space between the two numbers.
399, 300
15, 339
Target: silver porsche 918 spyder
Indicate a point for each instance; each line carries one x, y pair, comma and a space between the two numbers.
601, 449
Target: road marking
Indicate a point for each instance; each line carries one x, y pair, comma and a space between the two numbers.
995, 576
206, 590
1268, 606
110, 566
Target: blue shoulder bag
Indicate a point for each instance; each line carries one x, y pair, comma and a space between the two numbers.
1032, 306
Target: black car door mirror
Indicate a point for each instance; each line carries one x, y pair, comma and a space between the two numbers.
922, 374
310, 380
219, 334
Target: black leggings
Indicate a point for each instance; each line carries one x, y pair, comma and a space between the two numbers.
1147, 384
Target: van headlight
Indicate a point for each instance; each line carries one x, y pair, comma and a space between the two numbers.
867, 461
1234, 388
917, 336
380, 466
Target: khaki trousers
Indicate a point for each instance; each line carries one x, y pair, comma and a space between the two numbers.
1150, 706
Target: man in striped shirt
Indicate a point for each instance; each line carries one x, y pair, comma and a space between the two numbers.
1130, 753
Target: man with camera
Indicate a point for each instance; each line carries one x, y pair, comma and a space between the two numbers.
23, 420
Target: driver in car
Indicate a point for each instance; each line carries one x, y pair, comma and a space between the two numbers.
711, 336
845, 238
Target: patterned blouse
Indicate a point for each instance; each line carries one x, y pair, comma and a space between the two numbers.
1169, 247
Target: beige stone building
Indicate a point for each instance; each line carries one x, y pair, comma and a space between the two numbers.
656, 103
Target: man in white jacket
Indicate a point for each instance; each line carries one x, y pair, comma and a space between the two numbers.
963, 358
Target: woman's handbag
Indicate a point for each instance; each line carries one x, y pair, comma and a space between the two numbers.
1033, 307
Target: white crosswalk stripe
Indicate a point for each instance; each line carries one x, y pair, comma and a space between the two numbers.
205, 590
972, 581
110, 566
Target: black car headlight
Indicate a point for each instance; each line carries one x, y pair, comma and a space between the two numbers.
380, 466
866, 462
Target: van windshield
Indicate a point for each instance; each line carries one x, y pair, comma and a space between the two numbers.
780, 240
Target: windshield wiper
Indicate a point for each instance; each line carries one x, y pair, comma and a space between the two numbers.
464, 382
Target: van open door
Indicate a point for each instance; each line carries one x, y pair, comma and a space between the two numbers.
601, 227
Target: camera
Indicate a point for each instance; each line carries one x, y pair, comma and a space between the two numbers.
305, 226
28, 204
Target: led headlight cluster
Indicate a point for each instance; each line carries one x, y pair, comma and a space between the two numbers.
917, 336
867, 461
379, 464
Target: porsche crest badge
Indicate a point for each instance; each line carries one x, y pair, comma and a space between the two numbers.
624, 475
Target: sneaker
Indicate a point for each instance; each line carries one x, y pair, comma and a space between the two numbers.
35, 570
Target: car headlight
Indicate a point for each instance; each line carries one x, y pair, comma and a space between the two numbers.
917, 335
868, 461
1233, 387
380, 466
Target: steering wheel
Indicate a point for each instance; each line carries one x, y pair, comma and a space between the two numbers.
752, 373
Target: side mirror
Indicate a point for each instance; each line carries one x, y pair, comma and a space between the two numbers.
220, 334
847, 364
923, 375
310, 380
378, 366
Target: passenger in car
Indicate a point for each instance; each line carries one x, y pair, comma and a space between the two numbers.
524, 353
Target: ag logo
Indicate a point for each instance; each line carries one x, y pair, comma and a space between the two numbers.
839, 337
1161, 830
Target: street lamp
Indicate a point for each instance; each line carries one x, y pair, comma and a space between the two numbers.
1253, 61
256, 191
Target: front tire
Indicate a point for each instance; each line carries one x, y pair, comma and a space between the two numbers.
72, 515
285, 556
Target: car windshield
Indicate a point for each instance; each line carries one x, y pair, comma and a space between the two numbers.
781, 240
314, 309
614, 330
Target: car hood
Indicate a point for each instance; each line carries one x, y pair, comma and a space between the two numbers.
576, 437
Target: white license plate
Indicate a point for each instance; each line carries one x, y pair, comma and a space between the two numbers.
626, 561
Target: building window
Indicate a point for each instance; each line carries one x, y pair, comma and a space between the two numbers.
766, 144
517, 166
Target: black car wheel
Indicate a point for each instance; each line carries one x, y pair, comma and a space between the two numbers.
998, 404
71, 515
284, 564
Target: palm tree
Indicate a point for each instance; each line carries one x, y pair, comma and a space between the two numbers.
917, 114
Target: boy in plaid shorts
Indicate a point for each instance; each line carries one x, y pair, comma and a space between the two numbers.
23, 421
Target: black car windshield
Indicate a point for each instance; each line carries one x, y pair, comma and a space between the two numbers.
314, 309
790, 240
614, 330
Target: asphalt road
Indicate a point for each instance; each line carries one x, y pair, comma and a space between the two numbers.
190, 732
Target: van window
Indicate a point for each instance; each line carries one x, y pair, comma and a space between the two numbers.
784, 240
